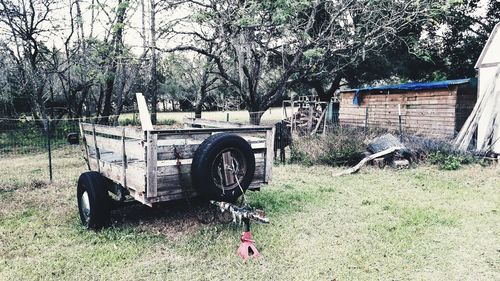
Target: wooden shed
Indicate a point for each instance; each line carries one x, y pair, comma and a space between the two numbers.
432, 109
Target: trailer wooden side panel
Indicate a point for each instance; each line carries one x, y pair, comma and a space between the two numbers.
156, 165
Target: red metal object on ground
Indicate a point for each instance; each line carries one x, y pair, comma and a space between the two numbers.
247, 247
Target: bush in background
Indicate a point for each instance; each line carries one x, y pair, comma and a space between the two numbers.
340, 146
137, 122
347, 146
439, 152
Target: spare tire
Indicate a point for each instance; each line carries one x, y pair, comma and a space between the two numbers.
221, 164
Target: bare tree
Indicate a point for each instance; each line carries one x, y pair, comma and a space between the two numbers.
25, 23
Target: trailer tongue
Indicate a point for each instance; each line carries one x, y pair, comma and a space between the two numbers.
243, 215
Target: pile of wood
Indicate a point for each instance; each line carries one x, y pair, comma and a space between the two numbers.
309, 118
465, 136
386, 149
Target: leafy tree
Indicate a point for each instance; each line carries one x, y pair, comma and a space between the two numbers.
457, 39
266, 47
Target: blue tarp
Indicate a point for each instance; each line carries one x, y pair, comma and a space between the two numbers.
413, 86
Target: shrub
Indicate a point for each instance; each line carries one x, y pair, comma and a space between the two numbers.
347, 146
451, 160
167, 122
137, 122
129, 122
341, 146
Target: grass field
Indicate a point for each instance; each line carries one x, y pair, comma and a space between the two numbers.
418, 224
271, 116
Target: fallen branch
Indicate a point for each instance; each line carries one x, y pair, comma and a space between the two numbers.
361, 163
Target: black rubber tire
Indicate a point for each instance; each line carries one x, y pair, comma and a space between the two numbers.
204, 157
98, 198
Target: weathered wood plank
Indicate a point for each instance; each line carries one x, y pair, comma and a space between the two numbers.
173, 183
97, 154
186, 151
143, 113
269, 154
170, 167
151, 165
135, 174
130, 132
213, 123
124, 161
248, 129
82, 134
133, 148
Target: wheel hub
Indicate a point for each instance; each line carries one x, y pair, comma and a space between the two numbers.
85, 205
228, 169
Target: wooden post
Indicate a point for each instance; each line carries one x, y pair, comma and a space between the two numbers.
269, 154
292, 117
49, 149
84, 139
366, 120
227, 160
124, 161
310, 121
324, 121
400, 123
282, 142
151, 167
97, 154
144, 113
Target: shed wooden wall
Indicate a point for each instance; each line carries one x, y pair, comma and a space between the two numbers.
433, 113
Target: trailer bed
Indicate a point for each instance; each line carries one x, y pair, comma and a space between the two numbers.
155, 165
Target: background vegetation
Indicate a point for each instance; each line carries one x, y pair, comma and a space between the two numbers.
82, 58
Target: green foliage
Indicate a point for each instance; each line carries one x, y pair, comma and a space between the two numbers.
131, 121
459, 34
300, 157
166, 122
451, 160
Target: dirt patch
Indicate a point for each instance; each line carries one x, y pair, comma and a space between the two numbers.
172, 219
31, 185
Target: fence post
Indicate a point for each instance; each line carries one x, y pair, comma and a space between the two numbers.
49, 149
400, 123
227, 117
366, 120
282, 142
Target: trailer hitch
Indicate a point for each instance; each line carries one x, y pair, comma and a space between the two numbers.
243, 215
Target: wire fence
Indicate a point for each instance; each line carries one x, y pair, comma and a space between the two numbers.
32, 136
19, 136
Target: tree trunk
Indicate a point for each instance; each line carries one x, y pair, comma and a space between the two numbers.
108, 93
117, 43
255, 117
154, 70
198, 109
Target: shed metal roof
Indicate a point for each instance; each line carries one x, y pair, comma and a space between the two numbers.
413, 86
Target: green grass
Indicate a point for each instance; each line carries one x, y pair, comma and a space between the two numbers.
418, 224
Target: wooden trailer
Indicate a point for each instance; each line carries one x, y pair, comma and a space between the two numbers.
154, 166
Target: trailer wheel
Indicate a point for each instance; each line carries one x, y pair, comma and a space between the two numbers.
93, 200
221, 164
